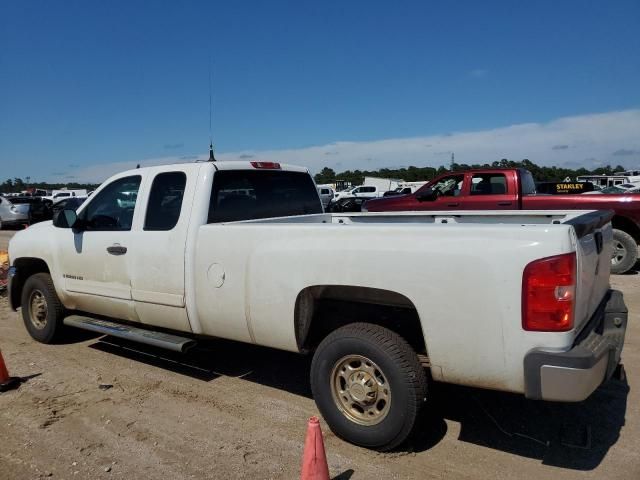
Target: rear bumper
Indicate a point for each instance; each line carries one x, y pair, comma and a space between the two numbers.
573, 375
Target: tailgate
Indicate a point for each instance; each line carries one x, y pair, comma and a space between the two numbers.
595, 242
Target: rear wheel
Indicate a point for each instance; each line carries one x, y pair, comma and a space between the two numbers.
625, 252
42, 311
369, 385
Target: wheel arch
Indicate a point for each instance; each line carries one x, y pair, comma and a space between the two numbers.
627, 225
321, 309
25, 268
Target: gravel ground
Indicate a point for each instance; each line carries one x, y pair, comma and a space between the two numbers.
230, 410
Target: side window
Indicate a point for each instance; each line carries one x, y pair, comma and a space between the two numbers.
449, 186
528, 184
488, 184
165, 201
113, 207
368, 189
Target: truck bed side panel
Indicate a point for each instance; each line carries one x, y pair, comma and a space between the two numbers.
464, 280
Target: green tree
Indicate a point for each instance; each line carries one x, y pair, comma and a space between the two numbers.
326, 175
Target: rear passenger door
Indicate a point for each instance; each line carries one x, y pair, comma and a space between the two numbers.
490, 191
157, 270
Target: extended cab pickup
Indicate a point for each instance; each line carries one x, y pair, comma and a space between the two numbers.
239, 250
514, 188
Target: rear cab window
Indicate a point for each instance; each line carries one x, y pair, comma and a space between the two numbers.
254, 194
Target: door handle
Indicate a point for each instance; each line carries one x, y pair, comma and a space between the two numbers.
453, 204
117, 250
504, 204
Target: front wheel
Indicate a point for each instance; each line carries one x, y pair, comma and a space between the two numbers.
42, 311
369, 385
625, 252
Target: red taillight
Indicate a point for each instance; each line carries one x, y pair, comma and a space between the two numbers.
548, 294
266, 165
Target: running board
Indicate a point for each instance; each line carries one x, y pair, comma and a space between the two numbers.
140, 335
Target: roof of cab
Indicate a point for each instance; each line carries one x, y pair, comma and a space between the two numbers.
218, 165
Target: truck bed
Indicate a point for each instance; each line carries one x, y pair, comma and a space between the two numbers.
462, 273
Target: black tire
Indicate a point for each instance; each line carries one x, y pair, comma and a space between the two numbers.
399, 367
45, 328
625, 252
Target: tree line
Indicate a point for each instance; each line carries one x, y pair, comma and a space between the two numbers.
356, 177
17, 185
416, 174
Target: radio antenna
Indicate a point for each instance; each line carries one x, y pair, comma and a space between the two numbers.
211, 157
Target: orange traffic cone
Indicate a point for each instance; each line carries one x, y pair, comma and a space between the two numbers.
6, 382
314, 460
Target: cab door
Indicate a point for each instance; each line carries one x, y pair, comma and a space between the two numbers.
490, 191
158, 267
450, 193
95, 255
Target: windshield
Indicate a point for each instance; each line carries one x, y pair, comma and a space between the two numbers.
250, 194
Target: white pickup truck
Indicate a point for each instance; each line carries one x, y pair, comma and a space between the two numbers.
513, 301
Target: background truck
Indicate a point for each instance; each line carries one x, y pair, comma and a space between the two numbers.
509, 189
513, 301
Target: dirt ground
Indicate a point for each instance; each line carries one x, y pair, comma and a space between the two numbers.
100, 408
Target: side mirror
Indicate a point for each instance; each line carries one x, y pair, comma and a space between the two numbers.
66, 218
427, 195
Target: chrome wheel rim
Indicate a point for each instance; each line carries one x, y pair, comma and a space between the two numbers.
360, 390
619, 253
38, 309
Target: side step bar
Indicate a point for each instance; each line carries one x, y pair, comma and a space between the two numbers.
140, 335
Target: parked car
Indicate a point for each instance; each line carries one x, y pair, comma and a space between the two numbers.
40, 209
13, 214
398, 191
68, 203
624, 188
326, 194
514, 189
349, 204
58, 195
538, 316
362, 191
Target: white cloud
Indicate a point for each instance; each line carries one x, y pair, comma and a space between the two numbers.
595, 139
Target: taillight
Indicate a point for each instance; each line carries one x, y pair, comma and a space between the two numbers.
266, 165
548, 294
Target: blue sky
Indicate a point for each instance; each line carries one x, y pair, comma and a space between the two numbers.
89, 86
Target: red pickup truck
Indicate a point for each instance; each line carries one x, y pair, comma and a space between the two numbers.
515, 189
